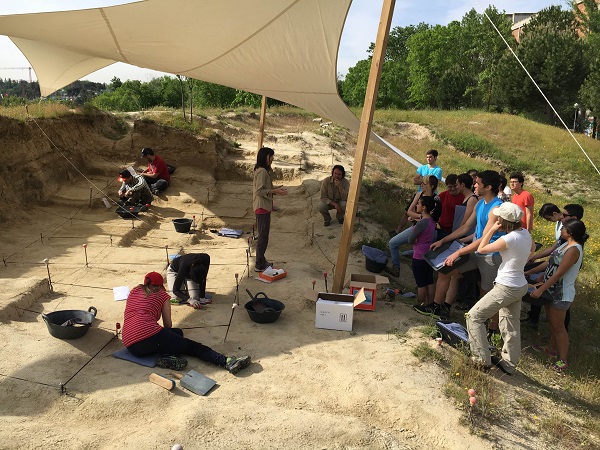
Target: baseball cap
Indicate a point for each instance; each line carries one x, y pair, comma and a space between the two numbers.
154, 278
509, 211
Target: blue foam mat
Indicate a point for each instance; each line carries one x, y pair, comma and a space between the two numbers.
148, 360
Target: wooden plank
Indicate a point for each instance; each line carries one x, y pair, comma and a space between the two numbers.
363, 143
261, 127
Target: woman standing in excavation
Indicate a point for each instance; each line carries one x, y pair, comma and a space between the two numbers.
262, 203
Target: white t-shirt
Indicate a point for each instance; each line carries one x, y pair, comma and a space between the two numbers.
514, 257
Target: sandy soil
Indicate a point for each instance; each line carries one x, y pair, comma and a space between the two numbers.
306, 388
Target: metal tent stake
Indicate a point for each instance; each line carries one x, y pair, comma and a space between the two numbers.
47, 262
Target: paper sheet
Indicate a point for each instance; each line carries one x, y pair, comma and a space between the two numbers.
121, 293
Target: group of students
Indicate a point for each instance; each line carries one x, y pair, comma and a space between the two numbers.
139, 189
495, 236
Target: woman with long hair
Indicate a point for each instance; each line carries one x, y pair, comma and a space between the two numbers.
142, 334
509, 288
262, 203
558, 286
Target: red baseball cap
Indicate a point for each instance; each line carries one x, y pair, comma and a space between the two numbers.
154, 278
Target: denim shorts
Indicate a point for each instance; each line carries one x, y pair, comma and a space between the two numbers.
557, 304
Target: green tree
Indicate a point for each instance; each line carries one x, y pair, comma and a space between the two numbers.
554, 55
589, 27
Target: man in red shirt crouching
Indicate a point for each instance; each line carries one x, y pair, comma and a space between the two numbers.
157, 173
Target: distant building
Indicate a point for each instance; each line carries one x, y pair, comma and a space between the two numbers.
519, 20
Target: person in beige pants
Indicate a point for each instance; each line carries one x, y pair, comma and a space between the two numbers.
510, 286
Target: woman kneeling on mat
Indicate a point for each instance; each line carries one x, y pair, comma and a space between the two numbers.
142, 335
190, 272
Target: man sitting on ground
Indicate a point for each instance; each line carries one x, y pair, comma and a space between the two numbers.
334, 194
157, 173
134, 190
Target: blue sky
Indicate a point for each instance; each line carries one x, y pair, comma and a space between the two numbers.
359, 32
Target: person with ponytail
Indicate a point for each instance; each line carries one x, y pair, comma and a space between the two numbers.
262, 203
142, 334
189, 272
558, 287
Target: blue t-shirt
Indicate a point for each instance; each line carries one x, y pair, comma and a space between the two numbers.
482, 210
426, 170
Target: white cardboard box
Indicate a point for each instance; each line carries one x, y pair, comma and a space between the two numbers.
336, 311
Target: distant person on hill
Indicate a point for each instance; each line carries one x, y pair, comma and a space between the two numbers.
134, 190
558, 286
262, 203
157, 173
334, 194
142, 335
523, 199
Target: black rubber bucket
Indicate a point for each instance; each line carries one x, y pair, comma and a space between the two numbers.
264, 309
182, 225
80, 322
374, 266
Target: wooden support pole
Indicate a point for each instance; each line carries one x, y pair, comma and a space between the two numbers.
261, 126
363, 143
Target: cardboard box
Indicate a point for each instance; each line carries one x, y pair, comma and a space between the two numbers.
437, 256
266, 275
369, 283
335, 311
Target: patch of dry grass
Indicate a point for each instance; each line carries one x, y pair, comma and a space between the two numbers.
41, 110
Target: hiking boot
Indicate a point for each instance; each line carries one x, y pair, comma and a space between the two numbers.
394, 271
171, 362
444, 311
432, 309
234, 364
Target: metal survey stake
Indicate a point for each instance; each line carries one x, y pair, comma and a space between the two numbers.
249, 248
85, 251
248, 263
90, 197
47, 261
167, 250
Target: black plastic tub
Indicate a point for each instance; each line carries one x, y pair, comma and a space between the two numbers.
264, 309
182, 225
69, 323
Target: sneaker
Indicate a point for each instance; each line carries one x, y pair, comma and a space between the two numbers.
432, 309
260, 269
234, 364
444, 311
545, 350
560, 365
502, 365
394, 271
171, 362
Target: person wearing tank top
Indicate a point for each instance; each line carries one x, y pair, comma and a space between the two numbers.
558, 286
